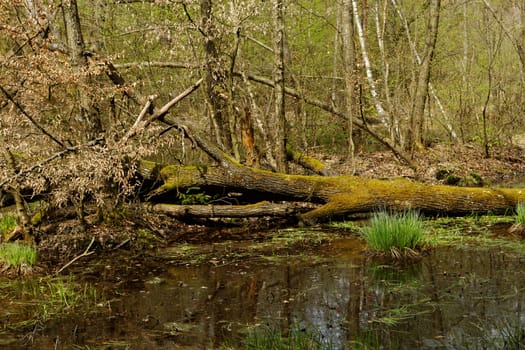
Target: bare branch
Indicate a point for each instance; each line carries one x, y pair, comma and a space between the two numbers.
178, 65
33, 121
158, 115
49, 159
148, 107
85, 253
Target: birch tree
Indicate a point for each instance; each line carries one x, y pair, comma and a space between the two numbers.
368, 67
279, 118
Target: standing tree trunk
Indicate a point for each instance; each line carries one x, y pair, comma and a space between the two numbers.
216, 90
415, 139
88, 112
349, 69
279, 119
368, 66
446, 120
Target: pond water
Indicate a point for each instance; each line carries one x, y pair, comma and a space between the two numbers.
463, 297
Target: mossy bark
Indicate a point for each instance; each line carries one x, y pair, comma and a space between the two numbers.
341, 195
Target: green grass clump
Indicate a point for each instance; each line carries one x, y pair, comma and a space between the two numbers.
7, 223
394, 233
16, 255
520, 213
266, 338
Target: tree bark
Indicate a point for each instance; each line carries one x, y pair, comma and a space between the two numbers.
349, 72
232, 211
279, 122
216, 79
415, 139
339, 195
87, 109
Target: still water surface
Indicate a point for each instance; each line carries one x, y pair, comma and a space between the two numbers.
453, 298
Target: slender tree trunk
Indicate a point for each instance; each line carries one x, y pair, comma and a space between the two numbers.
350, 81
446, 119
368, 67
279, 119
75, 41
394, 129
423, 78
519, 44
338, 30
215, 79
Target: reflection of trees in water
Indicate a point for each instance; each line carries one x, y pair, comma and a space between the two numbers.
450, 292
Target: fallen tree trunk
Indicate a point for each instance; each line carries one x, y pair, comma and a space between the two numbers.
232, 211
341, 195
338, 195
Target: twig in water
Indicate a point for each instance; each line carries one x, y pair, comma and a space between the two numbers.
85, 253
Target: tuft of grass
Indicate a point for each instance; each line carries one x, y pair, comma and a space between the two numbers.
394, 233
266, 338
7, 224
520, 213
16, 255
518, 228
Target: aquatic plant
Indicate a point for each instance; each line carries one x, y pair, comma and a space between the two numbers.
518, 228
16, 255
297, 338
44, 298
397, 234
520, 213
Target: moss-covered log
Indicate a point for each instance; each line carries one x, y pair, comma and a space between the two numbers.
343, 194
339, 195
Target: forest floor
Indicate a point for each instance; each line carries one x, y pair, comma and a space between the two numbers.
505, 166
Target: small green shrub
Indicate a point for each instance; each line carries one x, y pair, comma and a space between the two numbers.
394, 233
193, 195
15, 255
7, 224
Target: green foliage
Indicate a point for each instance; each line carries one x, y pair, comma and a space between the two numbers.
193, 195
298, 338
7, 224
15, 255
394, 233
520, 213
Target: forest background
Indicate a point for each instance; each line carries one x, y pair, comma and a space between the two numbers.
90, 88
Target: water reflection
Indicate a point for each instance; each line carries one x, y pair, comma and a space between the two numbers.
451, 299
451, 294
